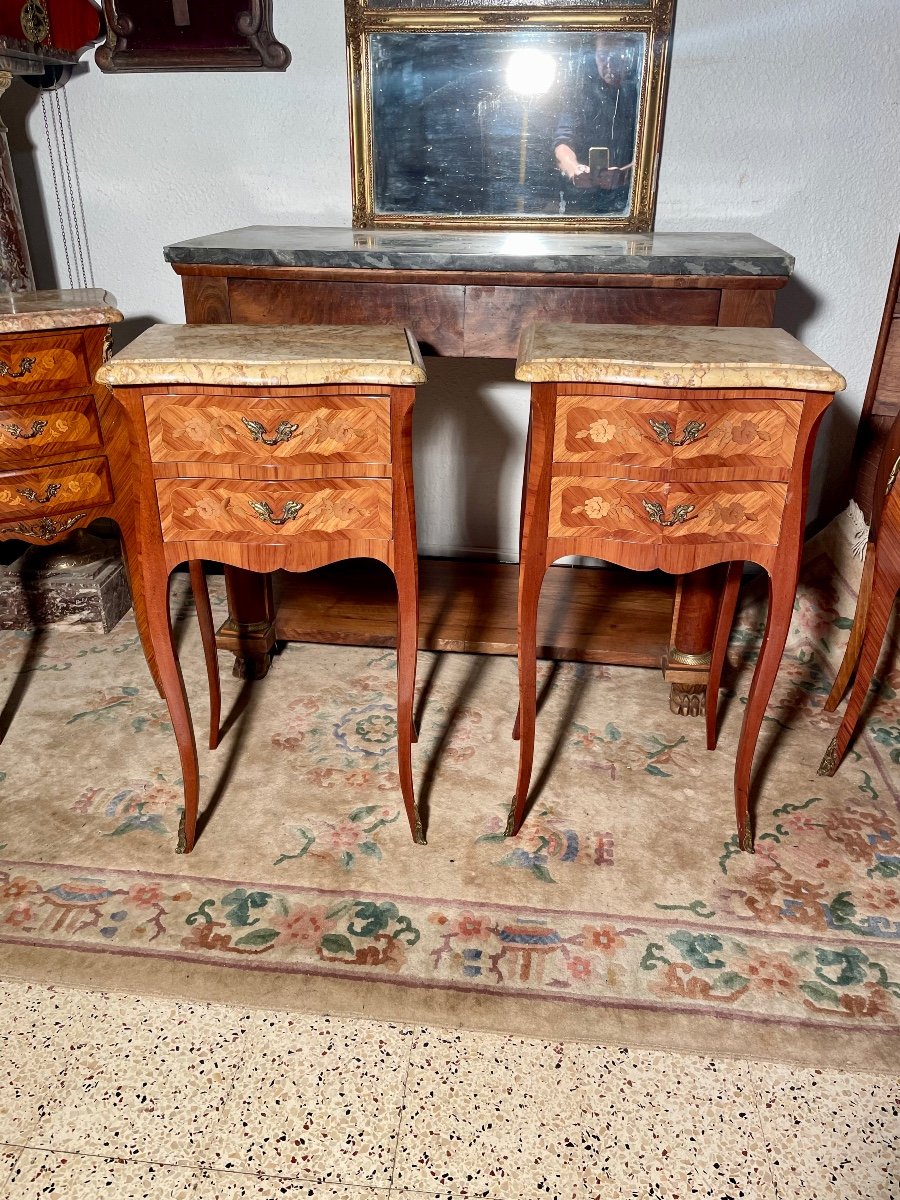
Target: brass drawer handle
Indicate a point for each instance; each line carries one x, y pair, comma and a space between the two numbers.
25, 366
288, 513
31, 494
664, 431
16, 431
657, 513
46, 528
283, 433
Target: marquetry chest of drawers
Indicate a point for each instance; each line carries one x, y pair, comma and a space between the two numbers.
669, 448
272, 447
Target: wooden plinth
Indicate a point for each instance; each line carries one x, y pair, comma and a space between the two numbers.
586, 615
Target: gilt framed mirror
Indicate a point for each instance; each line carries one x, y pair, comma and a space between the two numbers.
533, 114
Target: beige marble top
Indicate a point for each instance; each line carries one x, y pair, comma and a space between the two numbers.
55, 308
267, 355
671, 356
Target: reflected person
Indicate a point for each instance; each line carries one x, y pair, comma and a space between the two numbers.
594, 141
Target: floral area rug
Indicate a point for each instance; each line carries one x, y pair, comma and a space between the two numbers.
624, 912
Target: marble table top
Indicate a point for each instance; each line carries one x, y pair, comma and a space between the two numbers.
670, 356
584, 252
65, 308
267, 355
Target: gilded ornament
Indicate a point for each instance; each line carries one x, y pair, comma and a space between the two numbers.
34, 20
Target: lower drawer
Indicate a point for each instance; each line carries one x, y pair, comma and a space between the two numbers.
682, 513
238, 510
31, 433
60, 488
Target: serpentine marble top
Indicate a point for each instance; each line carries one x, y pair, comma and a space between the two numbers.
64, 308
672, 356
267, 355
585, 253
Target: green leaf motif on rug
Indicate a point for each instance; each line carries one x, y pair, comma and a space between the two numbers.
239, 904
696, 948
342, 843
699, 908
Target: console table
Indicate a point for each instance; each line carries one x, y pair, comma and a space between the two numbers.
469, 295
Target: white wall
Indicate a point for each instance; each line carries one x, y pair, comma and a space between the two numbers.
782, 121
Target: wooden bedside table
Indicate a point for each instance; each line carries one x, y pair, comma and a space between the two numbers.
64, 453
658, 447
272, 447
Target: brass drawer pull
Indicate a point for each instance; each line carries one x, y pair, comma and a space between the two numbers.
283, 433
46, 528
289, 512
25, 366
16, 431
664, 431
657, 513
31, 494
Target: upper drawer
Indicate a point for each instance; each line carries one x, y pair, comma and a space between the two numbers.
32, 433
757, 435
232, 510
35, 362
54, 489
252, 431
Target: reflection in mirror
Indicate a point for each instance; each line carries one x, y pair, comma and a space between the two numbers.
530, 123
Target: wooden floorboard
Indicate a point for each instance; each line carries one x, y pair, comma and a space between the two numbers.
606, 615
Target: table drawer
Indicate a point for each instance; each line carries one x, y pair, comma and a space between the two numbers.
31, 433
251, 430
43, 362
672, 513
59, 488
759, 435
234, 510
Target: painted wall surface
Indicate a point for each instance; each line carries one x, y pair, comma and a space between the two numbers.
781, 121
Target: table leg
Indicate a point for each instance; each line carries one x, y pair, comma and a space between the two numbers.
724, 622
249, 632
208, 638
782, 589
406, 573
857, 633
156, 589
688, 658
131, 554
885, 583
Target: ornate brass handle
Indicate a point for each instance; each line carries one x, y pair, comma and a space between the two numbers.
657, 513
664, 431
283, 433
49, 493
16, 431
25, 366
46, 528
288, 513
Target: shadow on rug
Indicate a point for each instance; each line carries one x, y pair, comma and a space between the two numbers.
623, 913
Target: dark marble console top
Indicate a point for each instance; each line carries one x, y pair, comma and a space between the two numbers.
452, 250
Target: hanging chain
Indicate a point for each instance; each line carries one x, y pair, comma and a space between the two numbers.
72, 170
59, 208
67, 189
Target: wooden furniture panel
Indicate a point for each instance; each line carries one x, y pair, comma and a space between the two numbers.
496, 316
49, 360
262, 511
54, 489
30, 433
434, 312
660, 514
255, 429
753, 438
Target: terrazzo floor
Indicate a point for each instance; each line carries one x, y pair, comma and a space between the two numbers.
106, 1095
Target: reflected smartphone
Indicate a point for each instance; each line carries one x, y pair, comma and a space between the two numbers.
598, 159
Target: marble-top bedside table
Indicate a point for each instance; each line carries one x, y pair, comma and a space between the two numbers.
670, 448
271, 447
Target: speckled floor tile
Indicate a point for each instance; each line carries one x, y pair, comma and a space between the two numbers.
831, 1135
8, 1156
487, 1115
227, 1185
85, 1177
671, 1126
143, 1078
318, 1099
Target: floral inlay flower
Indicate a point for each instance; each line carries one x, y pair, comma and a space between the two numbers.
369, 730
600, 431
595, 507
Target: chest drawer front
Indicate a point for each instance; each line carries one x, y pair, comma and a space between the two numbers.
43, 362
253, 511
47, 490
31, 433
759, 435
250, 431
670, 513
